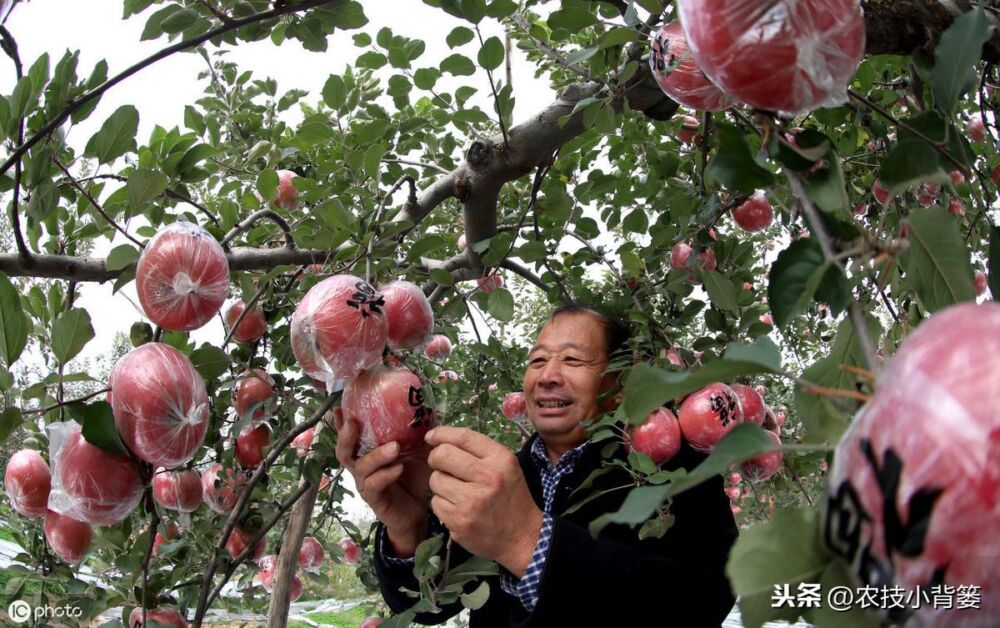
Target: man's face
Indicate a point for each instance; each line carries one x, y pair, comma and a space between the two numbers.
565, 380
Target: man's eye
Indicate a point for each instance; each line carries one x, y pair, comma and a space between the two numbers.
573, 360
537, 362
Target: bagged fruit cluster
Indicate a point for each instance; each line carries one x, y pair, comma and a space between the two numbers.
914, 492
389, 405
678, 75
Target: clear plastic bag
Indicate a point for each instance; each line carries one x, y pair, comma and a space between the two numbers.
182, 277
389, 405
27, 482
254, 388
177, 490
160, 404
678, 75
88, 483
338, 329
222, 498
515, 406
788, 56
409, 314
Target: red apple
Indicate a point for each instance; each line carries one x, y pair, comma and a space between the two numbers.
253, 325
93, 486
170, 532
388, 404
688, 133
69, 539
754, 214
177, 490
254, 388
311, 554
956, 177
747, 286
880, 192
995, 176
659, 436
735, 478
762, 467
161, 615
250, 445
785, 56
861, 209
182, 277
287, 192
267, 564
681, 252
751, 402
370, 622
239, 540
976, 128
678, 75
767, 319
160, 405
980, 281
338, 329
438, 348
222, 498
352, 551
490, 281
462, 242
447, 376
955, 207
733, 492
411, 319
515, 406
27, 482
303, 441
708, 415
673, 356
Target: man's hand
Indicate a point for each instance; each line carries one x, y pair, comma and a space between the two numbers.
396, 488
481, 495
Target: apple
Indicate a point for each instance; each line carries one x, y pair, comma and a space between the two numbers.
311, 554
388, 404
956, 177
880, 192
746, 286
338, 329
462, 242
918, 466
735, 478
92, 485
177, 490
976, 128
955, 207
681, 252
708, 415
239, 540
767, 319
303, 442
438, 348
352, 551
490, 281
161, 615
170, 532
980, 282
673, 356
160, 405
287, 192
995, 176
254, 388
785, 56
754, 214
515, 406
222, 498
678, 75
182, 277
861, 209
770, 420
268, 563
69, 539
27, 482
751, 402
688, 133
250, 445
736, 509
447, 376
733, 492
762, 467
411, 319
370, 622
659, 436
253, 325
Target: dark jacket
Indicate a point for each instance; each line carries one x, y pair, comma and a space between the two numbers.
677, 580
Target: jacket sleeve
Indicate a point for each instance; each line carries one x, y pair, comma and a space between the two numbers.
680, 578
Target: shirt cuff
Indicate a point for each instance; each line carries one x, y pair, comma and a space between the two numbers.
526, 588
384, 548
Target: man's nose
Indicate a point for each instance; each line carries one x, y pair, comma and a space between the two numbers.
551, 374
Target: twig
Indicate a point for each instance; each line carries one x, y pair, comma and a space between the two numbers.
65, 403
412, 200
95, 204
9, 46
864, 373
167, 192
798, 481
513, 266
420, 164
493, 88
246, 308
154, 522
554, 54
254, 217
225, 19
814, 389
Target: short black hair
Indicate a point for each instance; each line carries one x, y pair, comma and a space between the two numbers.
616, 331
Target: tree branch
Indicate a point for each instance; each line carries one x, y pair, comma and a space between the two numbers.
9, 46
513, 266
254, 217
168, 193
96, 205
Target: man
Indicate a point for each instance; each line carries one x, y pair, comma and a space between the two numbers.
511, 508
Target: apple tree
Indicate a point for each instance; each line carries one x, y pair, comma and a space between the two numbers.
773, 219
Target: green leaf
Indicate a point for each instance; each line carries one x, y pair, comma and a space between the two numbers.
10, 420
836, 575
441, 276
477, 598
122, 256
937, 262
345, 15
956, 58
734, 166
426, 78
210, 361
721, 290
743, 442
425, 244
639, 505
797, 275
335, 215
14, 324
458, 65
571, 19
267, 184
99, 428
617, 36
491, 53
335, 92
145, 185
116, 137
70, 333
648, 388
787, 549
994, 261
458, 36
501, 305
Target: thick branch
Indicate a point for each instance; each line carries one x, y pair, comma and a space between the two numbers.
253, 218
288, 558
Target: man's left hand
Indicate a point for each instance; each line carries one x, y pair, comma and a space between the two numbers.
481, 496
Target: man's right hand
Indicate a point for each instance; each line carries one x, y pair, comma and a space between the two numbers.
397, 489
